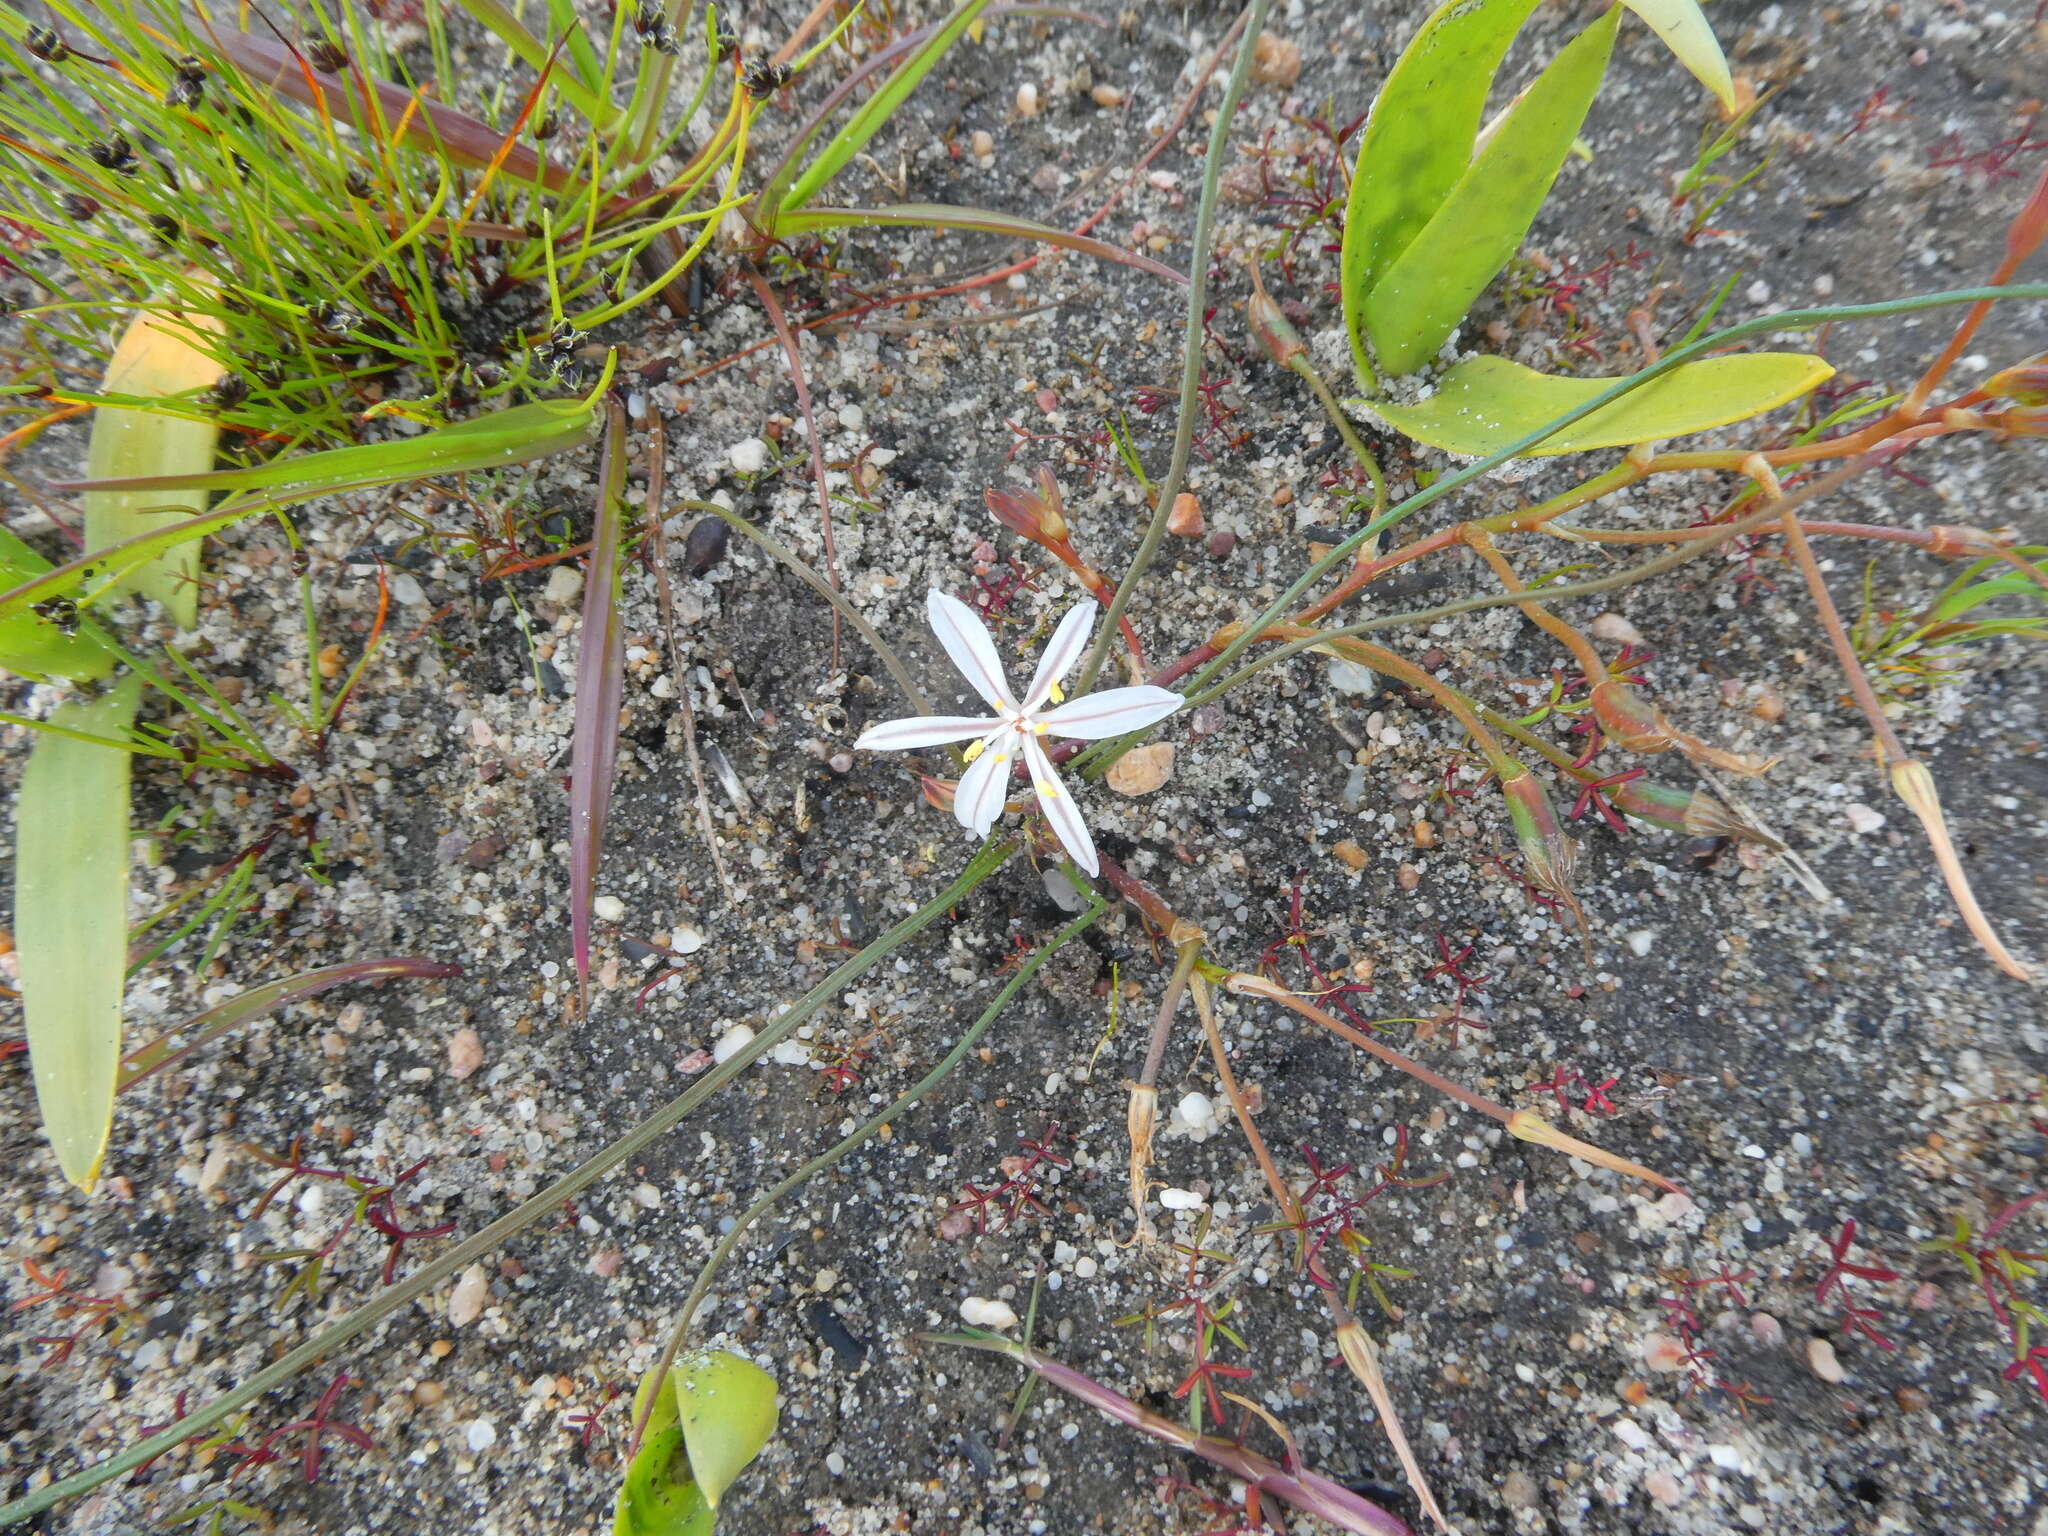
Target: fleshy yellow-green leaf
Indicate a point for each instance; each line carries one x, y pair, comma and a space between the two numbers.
38, 645
1686, 33
1418, 141
160, 354
71, 922
658, 1497
727, 1407
1477, 228
1486, 403
711, 1416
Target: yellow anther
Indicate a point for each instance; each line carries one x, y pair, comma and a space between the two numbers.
1047, 791
1057, 693
1039, 728
974, 751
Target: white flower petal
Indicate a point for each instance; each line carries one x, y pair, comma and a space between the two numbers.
970, 648
1111, 712
923, 731
1061, 652
1059, 808
978, 798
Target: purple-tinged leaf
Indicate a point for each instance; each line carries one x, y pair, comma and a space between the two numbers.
266, 999
600, 681
1293, 1484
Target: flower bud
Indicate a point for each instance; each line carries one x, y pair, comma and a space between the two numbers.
1273, 331
1950, 541
1038, 516
2024, 385
1548, 853
1635, 726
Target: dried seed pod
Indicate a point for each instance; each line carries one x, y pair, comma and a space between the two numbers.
78, 206
167, 229
651, 26
327, 57
188, 83
764, 80
357, 183
46, 45
113, 154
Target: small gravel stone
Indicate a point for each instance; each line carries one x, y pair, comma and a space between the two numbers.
981, 1312
1186, 517
1181, 1200
608, 909
466, 1301
1612, 626
481, 1435
465, 1053
1820, 1355
1863, 820
1142, 769
565, 584
731, 1043
1661, 1352
749, 455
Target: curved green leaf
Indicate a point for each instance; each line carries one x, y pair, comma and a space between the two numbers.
1686, 33
728, 1413
1486, 403
711, 1415
71, 921
1418, 142
1426, 290
658, 1496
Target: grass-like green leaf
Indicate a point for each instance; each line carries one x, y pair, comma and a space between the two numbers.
515, 436
873, 113
44, 645
1418, 142
257, 1002
71, 922
1686, 33
1477, 228
1486, 403
945, 216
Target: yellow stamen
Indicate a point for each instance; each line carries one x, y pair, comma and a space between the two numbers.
1039, 728
1057, 693
1047, 791
974, 751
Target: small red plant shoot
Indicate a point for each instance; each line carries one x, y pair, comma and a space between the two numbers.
1999, 1271
1023, 1176
1835, 1282
375, 1204
113, 1315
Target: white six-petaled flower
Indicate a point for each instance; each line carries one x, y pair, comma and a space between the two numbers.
1012, 736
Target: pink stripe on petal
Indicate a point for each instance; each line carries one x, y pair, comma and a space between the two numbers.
1059, 808
1111, 712
922, 731
978, 799
1061, 652
968, 645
